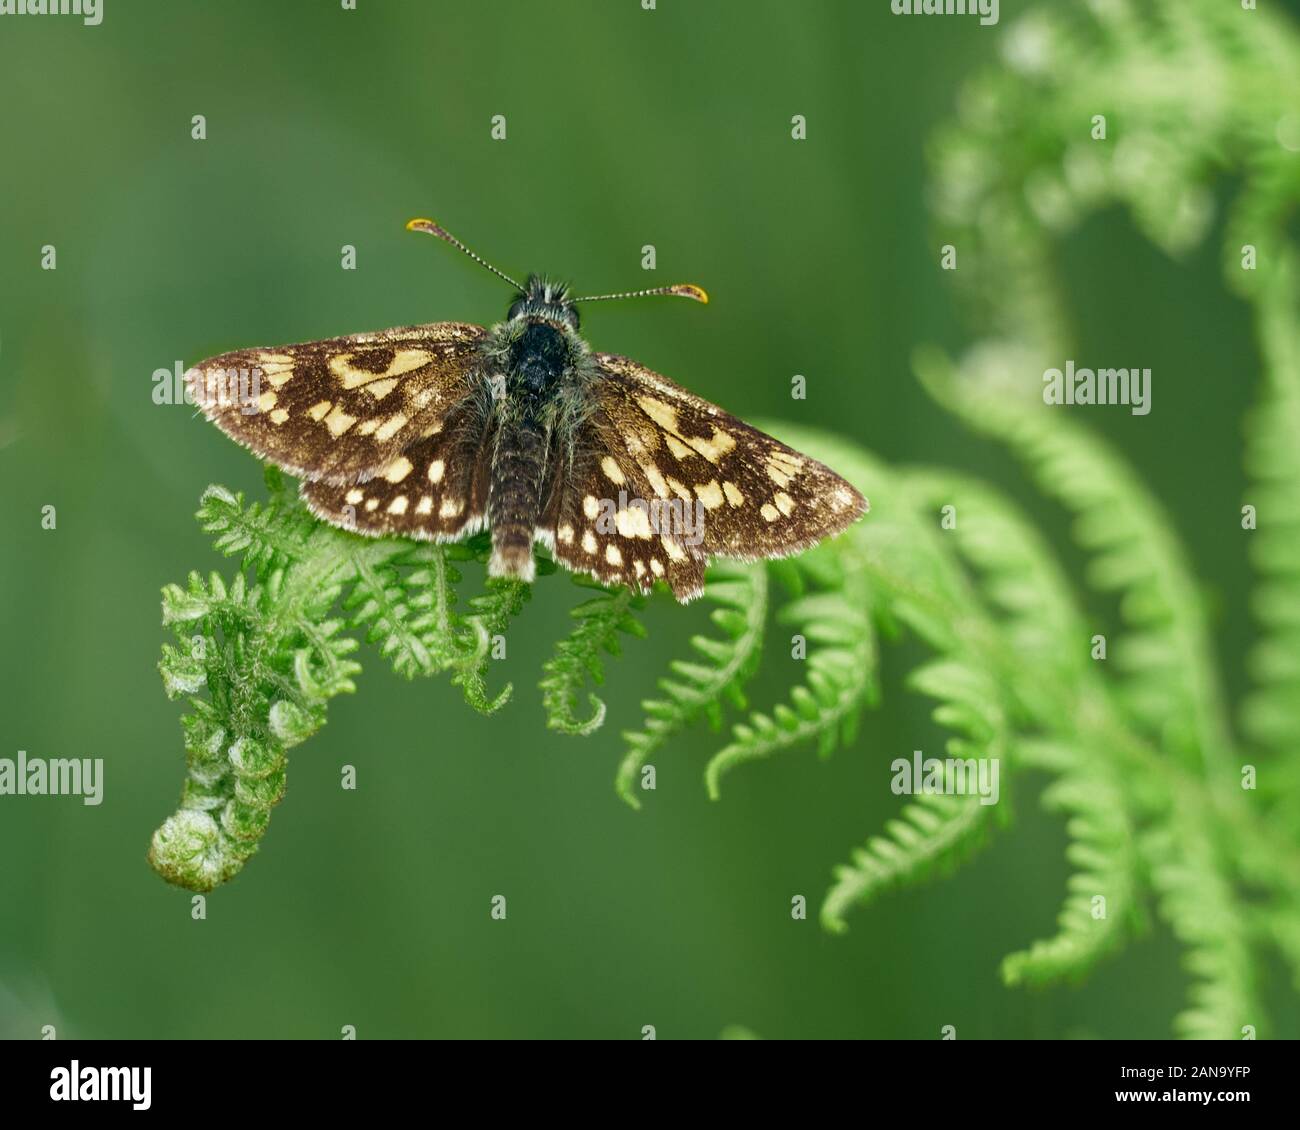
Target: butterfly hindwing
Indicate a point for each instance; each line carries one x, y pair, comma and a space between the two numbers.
436, 489
590, 532
661, 481
343, 408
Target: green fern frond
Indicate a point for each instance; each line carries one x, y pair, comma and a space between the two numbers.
580, 656
702, 688
1170, 689
258, 662
268, 676
1271, 712
1103, 851
1020, 586
489, 615
1201, 908
266, 534
824, 708
406, 611
936, 829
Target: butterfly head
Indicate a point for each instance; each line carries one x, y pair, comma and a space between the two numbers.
542, 299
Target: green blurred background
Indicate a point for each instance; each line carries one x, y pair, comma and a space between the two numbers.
625, 127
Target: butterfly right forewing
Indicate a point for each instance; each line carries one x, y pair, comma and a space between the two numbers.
344, 408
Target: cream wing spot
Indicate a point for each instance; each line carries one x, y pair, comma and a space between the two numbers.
681, 490
398, 469
372, 504
591, 506
734, 497
266, 401
405, 360
784, 502
389, 427
613, 472
565, 534
279, 415
423, 398
657, 482
277, 368
674, 551
710, 494
778, 475
613, 555
436, 468
380, 389
339, 421
769, 512
634, 522
665, 415
589, 543
678, 448
354, 496
367, 427
656, 567
398, 505
451, 507
715, 447
425, 505
317, 411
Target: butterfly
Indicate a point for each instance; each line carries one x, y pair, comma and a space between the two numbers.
442, 430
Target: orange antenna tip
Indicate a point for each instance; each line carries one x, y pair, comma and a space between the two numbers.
690, 290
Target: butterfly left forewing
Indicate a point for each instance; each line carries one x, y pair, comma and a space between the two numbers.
342, 408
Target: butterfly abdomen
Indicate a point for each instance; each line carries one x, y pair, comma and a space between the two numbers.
537, 364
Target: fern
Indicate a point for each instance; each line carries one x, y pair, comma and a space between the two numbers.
703, 688
580, 657
259, 660
1200, 906
936, 829
1271, 713
840, 660
489, 616
1103, 891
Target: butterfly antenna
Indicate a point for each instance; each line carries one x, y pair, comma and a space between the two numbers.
434, 228
680, 290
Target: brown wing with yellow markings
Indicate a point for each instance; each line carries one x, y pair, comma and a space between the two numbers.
344, 408
436, 490
664, 480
